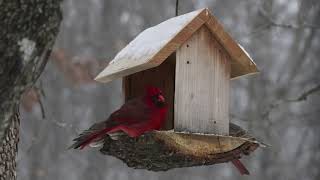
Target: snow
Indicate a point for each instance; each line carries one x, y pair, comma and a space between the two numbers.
151, 40
245, 52
27, 47
124, 18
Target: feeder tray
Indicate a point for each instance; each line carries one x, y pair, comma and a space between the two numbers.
164, 150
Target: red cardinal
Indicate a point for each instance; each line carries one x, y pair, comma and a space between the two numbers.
135, 117
241, 168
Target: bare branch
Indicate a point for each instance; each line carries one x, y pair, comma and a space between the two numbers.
305, 95
272, 22
291, 26
266, 115
43, 112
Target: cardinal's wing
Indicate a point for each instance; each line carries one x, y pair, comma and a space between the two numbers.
132, 112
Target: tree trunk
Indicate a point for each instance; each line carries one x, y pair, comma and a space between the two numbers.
27, 34
9, 149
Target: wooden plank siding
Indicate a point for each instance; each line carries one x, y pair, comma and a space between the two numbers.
202, 85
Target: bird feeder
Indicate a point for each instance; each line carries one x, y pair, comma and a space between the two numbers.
191, 58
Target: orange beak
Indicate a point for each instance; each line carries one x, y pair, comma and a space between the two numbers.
161, 98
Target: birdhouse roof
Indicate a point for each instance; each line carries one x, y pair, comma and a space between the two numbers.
152, 46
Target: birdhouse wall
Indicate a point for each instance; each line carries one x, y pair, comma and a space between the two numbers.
202, 85
162, 76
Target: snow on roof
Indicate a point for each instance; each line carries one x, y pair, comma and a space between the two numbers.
152, 46
244, 50
149, 41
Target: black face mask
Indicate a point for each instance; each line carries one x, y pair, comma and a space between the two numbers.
156, 101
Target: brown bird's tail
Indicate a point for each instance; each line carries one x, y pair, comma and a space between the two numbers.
241, 168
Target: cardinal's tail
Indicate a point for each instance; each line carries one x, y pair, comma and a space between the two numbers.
242, 169
93, 136
87, 138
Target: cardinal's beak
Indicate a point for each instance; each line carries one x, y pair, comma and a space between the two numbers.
161, 98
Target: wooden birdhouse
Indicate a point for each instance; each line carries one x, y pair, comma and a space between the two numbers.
192, 59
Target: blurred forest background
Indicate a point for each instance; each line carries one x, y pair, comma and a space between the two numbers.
280, 106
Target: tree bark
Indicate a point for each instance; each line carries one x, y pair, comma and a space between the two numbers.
9, 149
27, 34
